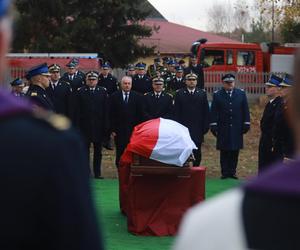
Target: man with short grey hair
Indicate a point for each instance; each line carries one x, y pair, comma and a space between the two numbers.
126, 111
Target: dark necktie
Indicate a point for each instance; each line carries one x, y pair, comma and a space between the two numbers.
157, 96
126, 97
229, 93
91, 90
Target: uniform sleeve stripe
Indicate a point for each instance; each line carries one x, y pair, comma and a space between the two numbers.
214, 123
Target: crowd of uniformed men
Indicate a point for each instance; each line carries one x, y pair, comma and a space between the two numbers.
104, 109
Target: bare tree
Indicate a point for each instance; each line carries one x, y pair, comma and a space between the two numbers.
219, 18
242, 18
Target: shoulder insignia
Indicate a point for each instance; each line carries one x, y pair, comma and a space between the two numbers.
177, 90
33, 94
146, 94
59, 122
170, 95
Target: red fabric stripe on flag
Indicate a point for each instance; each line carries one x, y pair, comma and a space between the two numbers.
143, 140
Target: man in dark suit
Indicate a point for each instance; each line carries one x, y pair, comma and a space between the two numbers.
141, 83
107, 80
59, 91
196, 69
177, 82
39, 81
230, 119
45, 193
157, 103
17, 86
93, 117
191, 110
266, 154
126, 111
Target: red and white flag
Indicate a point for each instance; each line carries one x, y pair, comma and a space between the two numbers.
162, 140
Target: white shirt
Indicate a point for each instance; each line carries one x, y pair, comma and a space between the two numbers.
124, 95
53, 84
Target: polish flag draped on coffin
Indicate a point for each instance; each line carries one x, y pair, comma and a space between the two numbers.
162, 140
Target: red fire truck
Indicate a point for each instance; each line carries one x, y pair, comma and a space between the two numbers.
244, 57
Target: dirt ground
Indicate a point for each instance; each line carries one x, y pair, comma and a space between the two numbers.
248, 158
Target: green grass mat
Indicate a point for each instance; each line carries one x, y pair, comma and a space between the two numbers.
114, 224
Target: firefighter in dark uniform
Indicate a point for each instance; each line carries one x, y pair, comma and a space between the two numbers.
126, 111
266, 154
178, 81
75, 77
158, 103
107, 80
141, 83
59, 91
191, 110
230, 119
284, 143
93, 117
171, 71
153, 69
110, 83
46, 202
196, 69
39, 81
130, 70
17, 86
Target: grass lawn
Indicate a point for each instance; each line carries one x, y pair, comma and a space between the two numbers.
114, 224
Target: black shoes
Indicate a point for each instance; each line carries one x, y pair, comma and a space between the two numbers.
223, 177
99, 177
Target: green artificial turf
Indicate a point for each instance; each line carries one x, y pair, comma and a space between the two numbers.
114, 224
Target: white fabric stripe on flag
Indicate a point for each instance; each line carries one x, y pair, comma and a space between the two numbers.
174, 144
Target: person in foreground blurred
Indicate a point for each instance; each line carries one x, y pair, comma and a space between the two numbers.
45, 194
263, 214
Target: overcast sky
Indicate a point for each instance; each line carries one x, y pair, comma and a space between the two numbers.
188, 12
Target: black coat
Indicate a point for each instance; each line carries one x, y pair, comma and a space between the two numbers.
141, 85
77, 82
92, 113
198, 70
155, 108
174, 84
60, 97
109, 82
46, 202
39, 97
266, 154
284, 143
192, 111
123, 117
230, 115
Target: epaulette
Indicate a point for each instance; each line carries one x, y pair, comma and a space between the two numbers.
147, 93
58, 122
170, 95
33, 94
216, 91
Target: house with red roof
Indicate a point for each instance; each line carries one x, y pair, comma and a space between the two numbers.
171, 39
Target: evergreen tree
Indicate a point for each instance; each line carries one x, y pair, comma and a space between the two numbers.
110, 27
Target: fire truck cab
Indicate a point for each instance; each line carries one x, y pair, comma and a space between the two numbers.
238, 57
